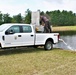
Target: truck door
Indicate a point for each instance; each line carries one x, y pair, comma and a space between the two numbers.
11, 36
27, 35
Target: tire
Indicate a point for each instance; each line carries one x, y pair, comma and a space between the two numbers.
48, 45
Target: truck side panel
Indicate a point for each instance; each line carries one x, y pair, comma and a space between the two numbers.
42, 37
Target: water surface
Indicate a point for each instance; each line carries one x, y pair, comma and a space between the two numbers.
68, 42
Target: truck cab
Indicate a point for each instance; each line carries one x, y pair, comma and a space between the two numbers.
16, 35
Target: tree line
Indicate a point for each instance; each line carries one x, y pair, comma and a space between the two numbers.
63, 18
57, 17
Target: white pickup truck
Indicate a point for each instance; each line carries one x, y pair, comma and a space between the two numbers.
16, 35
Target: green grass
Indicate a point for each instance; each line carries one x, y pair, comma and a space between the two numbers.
64, 28
30, 61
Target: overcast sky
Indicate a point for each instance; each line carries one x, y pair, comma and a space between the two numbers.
14, 7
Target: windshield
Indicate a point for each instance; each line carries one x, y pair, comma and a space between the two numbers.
3, 27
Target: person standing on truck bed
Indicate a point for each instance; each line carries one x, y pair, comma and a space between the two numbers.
45, 21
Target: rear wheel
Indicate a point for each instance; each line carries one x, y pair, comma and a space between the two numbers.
48, 45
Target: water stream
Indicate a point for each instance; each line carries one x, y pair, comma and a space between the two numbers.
67, 42
68, 46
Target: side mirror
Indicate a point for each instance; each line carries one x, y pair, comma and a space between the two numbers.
9, 32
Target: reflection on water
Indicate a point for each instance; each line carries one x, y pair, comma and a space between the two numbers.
67, 42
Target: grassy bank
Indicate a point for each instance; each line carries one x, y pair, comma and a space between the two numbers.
65, 30
30, 61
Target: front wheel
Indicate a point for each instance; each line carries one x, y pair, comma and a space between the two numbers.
48, 45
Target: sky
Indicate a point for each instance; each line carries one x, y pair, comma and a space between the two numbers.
14, 7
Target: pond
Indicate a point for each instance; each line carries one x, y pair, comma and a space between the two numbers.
67, 42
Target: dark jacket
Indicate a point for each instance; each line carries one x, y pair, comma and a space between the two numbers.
47, 28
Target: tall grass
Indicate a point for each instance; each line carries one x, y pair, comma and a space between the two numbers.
65, 30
